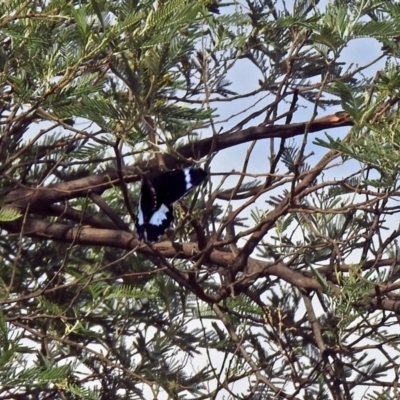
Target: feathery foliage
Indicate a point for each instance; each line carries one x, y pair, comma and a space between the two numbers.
280, 275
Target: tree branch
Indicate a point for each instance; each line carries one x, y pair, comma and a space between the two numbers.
40, 198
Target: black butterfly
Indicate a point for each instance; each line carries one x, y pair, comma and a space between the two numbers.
157, 198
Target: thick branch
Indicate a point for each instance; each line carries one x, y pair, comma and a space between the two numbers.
40, 198
188, 251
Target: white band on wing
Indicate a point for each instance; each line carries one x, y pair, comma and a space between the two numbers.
188, 178
159, 215
140, 217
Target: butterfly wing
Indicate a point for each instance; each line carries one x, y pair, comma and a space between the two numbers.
155, 211
159, 222
171, 186
146, 207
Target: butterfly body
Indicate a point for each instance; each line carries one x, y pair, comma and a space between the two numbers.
158, 196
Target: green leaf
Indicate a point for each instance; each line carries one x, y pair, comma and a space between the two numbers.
8, 213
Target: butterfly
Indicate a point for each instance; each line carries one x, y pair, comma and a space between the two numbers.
158, 196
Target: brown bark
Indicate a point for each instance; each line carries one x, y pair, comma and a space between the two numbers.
100, 233
41, 198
